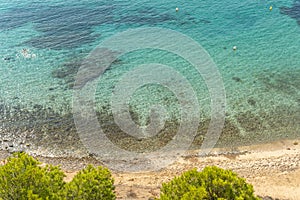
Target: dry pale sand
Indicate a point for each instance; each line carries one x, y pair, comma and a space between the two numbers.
273, 169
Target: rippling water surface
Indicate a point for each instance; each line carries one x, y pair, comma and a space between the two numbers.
42, 45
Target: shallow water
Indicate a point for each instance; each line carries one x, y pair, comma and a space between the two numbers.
261, 77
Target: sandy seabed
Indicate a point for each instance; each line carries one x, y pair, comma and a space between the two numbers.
272, 168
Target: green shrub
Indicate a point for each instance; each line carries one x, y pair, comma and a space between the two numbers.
91, 183
212, 183
22, 178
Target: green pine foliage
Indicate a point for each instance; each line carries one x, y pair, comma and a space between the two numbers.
90, 184
212, 183
23, 178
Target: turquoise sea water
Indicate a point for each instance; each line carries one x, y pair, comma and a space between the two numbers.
261, 78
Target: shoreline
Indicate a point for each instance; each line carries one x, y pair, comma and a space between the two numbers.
273, 169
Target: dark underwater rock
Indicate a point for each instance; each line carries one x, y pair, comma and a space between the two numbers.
60, 27
63, 41
293, 12
251, 101
237, 79
67, 27
38, 129
9, 58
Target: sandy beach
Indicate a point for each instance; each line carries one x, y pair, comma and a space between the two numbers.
272, 168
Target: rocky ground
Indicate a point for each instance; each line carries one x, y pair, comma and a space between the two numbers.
273, 169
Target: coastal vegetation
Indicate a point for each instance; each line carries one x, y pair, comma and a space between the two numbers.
212, 183
23, 177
